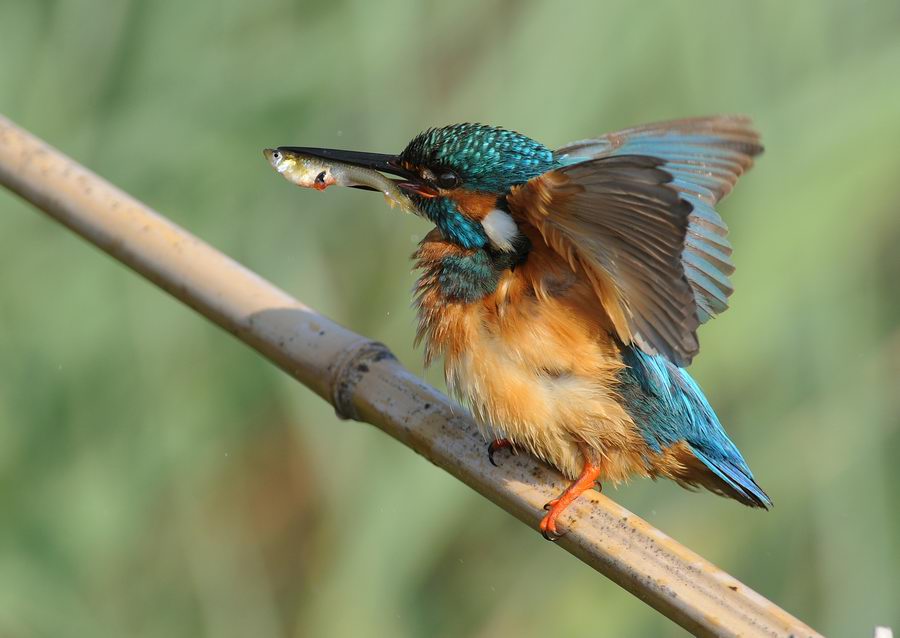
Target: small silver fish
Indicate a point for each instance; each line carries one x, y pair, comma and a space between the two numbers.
312, 171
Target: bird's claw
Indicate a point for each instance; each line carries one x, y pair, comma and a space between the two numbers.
495, 446
551, 536
548, 525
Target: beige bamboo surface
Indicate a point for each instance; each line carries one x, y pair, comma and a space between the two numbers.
365, 382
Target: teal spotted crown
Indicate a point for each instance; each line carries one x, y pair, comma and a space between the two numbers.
485, 158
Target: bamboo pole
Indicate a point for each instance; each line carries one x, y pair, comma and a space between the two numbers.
364, 381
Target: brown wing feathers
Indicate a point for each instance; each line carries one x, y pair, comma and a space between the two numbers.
628, 229
634, 211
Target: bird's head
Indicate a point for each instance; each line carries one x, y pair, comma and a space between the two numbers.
458, 177
463, 174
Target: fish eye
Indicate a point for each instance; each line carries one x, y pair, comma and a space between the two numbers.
276, 155
447, 180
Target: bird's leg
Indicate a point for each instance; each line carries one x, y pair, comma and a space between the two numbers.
495, 446
590, 472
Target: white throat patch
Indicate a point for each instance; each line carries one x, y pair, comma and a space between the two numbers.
500, 229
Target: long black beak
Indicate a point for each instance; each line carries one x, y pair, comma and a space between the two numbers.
381, 162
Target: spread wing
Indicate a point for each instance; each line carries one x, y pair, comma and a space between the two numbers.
634, 210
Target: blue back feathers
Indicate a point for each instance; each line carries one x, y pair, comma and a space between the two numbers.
669, 407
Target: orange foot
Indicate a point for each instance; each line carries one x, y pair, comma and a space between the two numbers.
497, 445
586, 480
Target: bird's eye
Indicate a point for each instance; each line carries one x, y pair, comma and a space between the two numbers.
447, 180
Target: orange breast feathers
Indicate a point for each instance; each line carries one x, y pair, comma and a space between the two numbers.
534, 360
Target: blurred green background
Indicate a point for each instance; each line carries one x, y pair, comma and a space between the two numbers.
157, 478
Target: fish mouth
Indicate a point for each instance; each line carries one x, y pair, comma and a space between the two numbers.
275, 159
272, 156
381, 162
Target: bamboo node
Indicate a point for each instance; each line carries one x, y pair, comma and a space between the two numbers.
350, 366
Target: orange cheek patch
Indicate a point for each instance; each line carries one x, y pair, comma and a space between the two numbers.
474, 204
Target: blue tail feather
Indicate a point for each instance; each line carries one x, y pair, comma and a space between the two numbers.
737, 479
669, 408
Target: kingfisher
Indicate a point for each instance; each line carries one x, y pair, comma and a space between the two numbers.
563, 290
